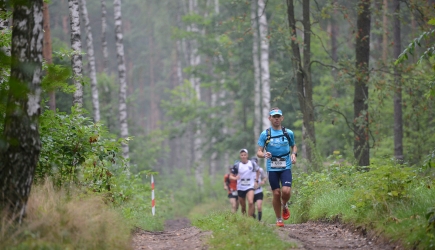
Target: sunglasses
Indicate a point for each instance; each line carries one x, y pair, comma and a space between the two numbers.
276, 116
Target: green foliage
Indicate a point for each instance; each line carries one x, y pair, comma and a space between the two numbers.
75, 150
382, 185
56, 78
385, 197
410, 49
250, 234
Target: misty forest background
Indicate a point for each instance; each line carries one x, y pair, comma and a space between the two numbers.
192, 84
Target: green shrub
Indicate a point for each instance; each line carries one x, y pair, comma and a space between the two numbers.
381, 185
77, 151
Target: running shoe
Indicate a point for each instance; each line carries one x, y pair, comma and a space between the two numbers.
285, 213
279, 223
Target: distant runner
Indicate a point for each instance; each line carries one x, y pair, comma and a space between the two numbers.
231, 187
277, 141
247, 181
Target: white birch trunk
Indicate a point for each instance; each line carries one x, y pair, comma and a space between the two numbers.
122, 76
19, 159
195, 60
258, 116
264, 63
103, 37
91, 58
76, 45
214, 103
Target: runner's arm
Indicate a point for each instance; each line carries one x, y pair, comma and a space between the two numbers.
294, 152
260, 153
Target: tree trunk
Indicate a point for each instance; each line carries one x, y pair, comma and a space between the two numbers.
76, 45
214, 104
258, 116
334, 34
91, 58
361, 115
47, 52
103, 37
264, 63
385, 32
398, 122
18, 159
303, 75
195, 61
306, 91
122, 76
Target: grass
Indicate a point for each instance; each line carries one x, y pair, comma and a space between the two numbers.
403, 221
234, 231
56, 220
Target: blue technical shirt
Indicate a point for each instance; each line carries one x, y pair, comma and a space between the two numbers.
278, 146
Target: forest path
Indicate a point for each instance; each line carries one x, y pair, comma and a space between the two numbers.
179, 234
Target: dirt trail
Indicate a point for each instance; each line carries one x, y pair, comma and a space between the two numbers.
179, 234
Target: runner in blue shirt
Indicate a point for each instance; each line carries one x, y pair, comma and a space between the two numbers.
277, 145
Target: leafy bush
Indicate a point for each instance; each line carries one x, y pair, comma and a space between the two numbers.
79, 153
382, 184
76, 150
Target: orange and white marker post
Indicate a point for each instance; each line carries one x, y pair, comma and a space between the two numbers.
153, 202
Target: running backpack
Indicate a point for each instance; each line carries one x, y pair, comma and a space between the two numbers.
268, 133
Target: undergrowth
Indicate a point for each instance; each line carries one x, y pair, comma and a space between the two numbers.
389, 198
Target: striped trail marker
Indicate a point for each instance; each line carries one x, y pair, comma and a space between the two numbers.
153, 202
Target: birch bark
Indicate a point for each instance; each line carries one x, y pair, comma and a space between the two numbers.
258, 117
18, 159
122, 76
195, 60
91, 58
264, 63
103, 37
76, 45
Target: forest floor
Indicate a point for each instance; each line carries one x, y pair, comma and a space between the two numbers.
179, 234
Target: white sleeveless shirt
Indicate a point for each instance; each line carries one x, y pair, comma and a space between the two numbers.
247, 173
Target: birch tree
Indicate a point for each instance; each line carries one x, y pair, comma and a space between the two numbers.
91, 59
19, 157
76, 45
258, 116
361, 93
122, 76
264, 63
214, 103
103, 37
